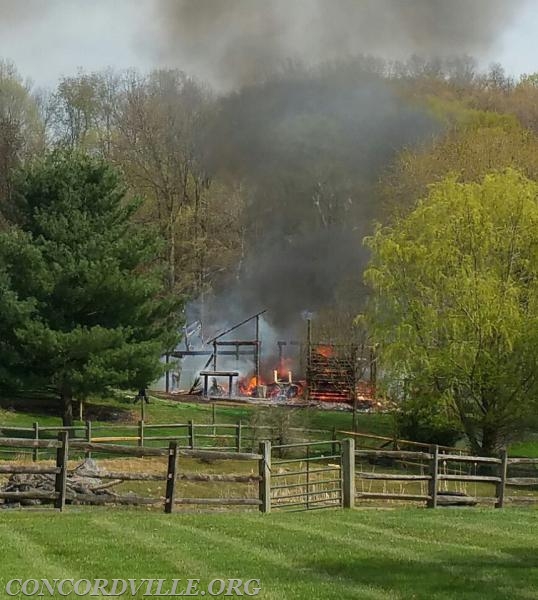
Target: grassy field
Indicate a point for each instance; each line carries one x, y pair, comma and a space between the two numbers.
528, 447
20, 413
367, 555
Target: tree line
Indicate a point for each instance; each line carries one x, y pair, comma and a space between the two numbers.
286, 175
304, 150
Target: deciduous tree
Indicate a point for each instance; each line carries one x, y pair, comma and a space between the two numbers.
455, 302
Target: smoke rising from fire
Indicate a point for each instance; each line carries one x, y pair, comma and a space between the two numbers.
309, 147
311, 144
231, 42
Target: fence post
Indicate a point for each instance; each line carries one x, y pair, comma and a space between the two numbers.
35, 455
434, 471
333, 445
348, 473
501, 486
88, 437
191, 435
140, 433
62, 455
171, 478
238, 436
265, 477
307, 496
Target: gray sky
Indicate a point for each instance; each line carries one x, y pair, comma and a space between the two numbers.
50, 38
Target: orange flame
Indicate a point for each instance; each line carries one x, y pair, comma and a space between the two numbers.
325, 351
248, 385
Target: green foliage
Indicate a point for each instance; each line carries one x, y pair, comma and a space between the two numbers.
282, 421
428, 421
456, 113
455, 302
82, 306
471, 149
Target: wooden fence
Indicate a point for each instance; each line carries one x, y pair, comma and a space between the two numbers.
237, 436
434, 468
369, 441
295, 476
233, 437
64, 445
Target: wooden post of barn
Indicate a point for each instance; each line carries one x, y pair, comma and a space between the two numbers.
373, 369
348, 473
35, 454
501, 485
62, 454
265, 477
257, 350
434, 473
171, 478
167, 374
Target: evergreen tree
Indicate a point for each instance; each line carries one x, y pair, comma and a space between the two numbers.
83, 306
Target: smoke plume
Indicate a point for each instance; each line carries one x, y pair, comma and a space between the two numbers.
309, 147
235, 41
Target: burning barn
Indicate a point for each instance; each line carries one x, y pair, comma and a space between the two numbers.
305, 370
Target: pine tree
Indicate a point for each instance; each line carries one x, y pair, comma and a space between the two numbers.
83, 306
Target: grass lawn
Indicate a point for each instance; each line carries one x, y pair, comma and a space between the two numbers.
365, 554
528, 448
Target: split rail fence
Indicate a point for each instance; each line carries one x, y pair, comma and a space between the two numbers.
237, 436
171, 474
232, 437
296, 476
387, 475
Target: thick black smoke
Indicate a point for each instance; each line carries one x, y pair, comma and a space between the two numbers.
309, 147
234, 41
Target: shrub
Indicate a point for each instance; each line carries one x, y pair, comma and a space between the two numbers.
427, 421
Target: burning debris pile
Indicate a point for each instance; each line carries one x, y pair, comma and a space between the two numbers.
282, 387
